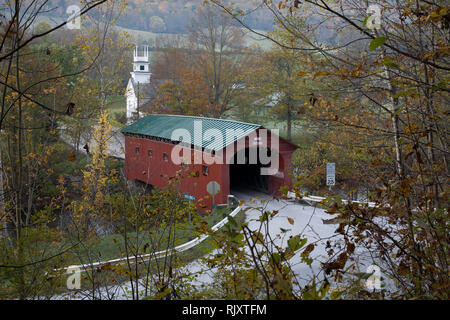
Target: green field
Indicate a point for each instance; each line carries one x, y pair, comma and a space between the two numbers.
117, 104
154, 39
112, 246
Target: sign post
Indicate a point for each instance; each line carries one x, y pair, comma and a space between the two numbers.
190, 198
213, 188
331, 174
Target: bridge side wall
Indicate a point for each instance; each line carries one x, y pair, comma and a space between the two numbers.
190, 178
157, 172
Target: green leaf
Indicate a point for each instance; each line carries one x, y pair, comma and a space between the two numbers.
264, 216
365, 21
238, 238
389, 62
296, 243
375, 43
232, 221
275, 257
406, 93
398, 111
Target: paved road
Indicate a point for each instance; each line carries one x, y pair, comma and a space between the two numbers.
116, 142
308, 221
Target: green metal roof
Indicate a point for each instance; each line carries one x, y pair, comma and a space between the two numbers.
163, 126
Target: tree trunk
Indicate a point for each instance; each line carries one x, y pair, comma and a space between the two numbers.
3, 220
289, 121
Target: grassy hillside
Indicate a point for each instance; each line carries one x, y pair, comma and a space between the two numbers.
154, 39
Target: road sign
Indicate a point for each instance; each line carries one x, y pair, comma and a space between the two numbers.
190, 197
331, 174
213, 188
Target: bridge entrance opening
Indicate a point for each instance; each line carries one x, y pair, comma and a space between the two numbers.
245, 171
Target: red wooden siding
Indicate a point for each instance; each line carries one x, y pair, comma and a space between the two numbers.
155, 171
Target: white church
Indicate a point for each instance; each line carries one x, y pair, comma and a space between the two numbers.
138, 89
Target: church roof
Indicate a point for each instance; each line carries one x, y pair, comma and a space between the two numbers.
162, 126
146, 91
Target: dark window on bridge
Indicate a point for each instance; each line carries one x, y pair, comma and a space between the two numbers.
205, 170
141, 68
165, 157
137, 150
150, 153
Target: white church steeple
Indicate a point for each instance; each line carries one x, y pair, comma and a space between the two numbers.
141, 66
137, 88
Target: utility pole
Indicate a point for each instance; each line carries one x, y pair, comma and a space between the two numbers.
190, 221
3, 224
138, 109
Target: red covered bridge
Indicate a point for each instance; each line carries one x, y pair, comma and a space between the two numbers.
232, 153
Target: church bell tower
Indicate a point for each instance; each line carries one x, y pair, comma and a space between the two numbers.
141, 66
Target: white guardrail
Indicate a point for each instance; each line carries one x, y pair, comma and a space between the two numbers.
292, 195
192, 243
142, 258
